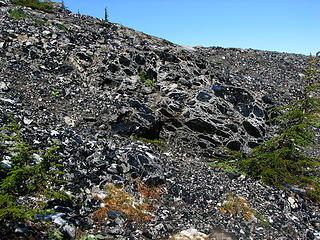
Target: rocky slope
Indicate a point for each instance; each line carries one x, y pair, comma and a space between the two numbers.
94, 87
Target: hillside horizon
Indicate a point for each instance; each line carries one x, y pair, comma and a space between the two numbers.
110, 133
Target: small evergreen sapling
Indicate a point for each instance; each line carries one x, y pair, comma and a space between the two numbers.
63, 5
23, 176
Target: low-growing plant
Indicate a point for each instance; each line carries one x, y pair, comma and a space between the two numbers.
236, 205
62, 27
55, 234
46, 6
159, 143
145, 80
118, 199
226, 160
226, 167
55, 93
18, 14
39, 22
263, 221
150, 192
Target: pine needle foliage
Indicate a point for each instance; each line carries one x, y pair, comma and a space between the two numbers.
282, 159
22, 175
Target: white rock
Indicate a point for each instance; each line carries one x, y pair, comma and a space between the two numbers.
292, 202
29, 43
59, 221
6, 164
70, 230
46, 33
3, 86
27, 121
69, 121
151, 156
7, 100
37, 157
317, 235
242, 177
173, 86
190, 234
101, 195
54, 133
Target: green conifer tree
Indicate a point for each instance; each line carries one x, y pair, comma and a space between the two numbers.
106, 15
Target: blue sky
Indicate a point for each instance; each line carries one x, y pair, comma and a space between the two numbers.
278, 25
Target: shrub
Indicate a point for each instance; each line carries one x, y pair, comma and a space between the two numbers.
46, 6
19, 14
150, 192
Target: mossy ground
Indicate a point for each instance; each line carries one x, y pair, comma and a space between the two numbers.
46, 6
18, 14
159, 143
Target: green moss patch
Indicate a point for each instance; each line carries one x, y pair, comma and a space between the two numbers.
46, 6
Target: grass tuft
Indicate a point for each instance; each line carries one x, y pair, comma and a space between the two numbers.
236, 205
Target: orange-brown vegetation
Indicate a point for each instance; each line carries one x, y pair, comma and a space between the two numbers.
118, 199
236, 205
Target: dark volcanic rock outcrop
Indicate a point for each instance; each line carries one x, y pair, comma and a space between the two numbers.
76, 80
97, 64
